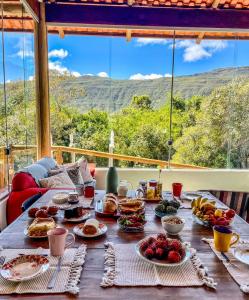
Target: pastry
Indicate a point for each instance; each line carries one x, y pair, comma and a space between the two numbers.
60, 198
39, 227
41, 213
130, 205
110, 204
32, 211
91, 226
75, 212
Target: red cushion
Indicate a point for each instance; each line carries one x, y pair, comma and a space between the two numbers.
22, 181
16, 199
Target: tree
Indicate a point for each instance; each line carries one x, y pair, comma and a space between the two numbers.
141, 102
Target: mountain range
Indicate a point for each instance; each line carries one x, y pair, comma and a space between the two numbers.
112, 94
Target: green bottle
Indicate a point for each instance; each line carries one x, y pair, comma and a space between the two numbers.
112, 181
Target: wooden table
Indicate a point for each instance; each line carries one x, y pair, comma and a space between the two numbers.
13, 237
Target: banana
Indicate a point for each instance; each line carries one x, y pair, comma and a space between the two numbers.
194, 204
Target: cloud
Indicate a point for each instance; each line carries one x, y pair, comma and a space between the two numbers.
75, 74
57, 66
151, 41
194, 52
59, 53
140, 76
8, 81
25, 53
31, 78
102, 74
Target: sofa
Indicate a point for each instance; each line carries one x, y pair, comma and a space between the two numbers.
26, 183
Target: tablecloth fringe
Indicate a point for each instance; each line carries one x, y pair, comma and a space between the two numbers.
109, 270
202, 271
75, 270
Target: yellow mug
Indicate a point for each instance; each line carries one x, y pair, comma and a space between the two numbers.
223, 238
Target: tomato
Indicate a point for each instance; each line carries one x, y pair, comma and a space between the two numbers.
230, 213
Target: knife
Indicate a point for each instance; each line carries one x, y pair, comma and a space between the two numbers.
53, 278
228, 260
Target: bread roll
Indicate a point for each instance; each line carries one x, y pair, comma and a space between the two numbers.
91, 226
110, 204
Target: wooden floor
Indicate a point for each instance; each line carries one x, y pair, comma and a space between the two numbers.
13, 237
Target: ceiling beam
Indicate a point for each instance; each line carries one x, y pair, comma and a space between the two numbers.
32, 7
147, 17
215, 4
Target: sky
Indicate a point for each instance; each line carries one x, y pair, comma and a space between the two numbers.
114, 57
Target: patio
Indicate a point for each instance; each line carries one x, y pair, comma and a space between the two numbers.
93, 258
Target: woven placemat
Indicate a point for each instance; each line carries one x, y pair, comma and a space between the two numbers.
238, 271
67, 279
123, 267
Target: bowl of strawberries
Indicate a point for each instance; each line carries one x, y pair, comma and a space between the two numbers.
162, 251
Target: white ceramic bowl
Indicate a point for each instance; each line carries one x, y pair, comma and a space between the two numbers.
172, 229
60, 198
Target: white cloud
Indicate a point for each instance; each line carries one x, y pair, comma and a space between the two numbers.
25, 53
31, 78
151, 41
59, 53
102, 74
75, 74
140, 76
193, 52
8, 81
57, 66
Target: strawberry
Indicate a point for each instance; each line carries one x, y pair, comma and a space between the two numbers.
153, 246
151, 240
161, 244
174, 257
159, 253
144, 245
161, 236
175, 245
182, 252
149, 253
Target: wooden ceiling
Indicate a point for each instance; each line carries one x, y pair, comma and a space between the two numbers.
16, 19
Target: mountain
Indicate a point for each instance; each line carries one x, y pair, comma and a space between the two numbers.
111, 94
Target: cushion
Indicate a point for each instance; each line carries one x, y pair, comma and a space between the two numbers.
37, 171
84, 170
15, 201
30, 201
22, 181
72, 171
61, 180
47, 162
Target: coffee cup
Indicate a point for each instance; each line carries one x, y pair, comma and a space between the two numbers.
224, 238
57, 240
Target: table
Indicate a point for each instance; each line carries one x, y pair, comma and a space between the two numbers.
13, 237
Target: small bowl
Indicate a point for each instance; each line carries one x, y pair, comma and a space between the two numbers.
172, 229
60, 198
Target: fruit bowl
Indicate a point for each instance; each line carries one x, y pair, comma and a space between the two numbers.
172, 255
167, 208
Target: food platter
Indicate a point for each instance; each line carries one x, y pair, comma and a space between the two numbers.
162, 263
24, 267
79, 219
101, 231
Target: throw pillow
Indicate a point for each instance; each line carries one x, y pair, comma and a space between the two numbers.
84, 170
75, 175
37, 171
47, 162
61, 180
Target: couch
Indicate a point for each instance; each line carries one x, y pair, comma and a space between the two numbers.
25, 184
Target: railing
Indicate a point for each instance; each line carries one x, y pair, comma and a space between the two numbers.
58, 154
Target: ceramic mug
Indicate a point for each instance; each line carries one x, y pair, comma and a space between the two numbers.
57, 241
223, 238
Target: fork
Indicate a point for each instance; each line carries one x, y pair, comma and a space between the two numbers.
228, 260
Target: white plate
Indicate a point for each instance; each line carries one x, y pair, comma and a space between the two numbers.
190, 196
80, 219
24, 267
162, 263
26, 232
241, 253
102, 230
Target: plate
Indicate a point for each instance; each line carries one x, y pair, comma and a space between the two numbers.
101, 231
99, 211
190, 196
79, 219
163, 214
24, 267
241, 253
26, 232
162, 263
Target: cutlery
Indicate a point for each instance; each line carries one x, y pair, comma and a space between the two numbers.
2, 260
92, 203
53, 278
228, 260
